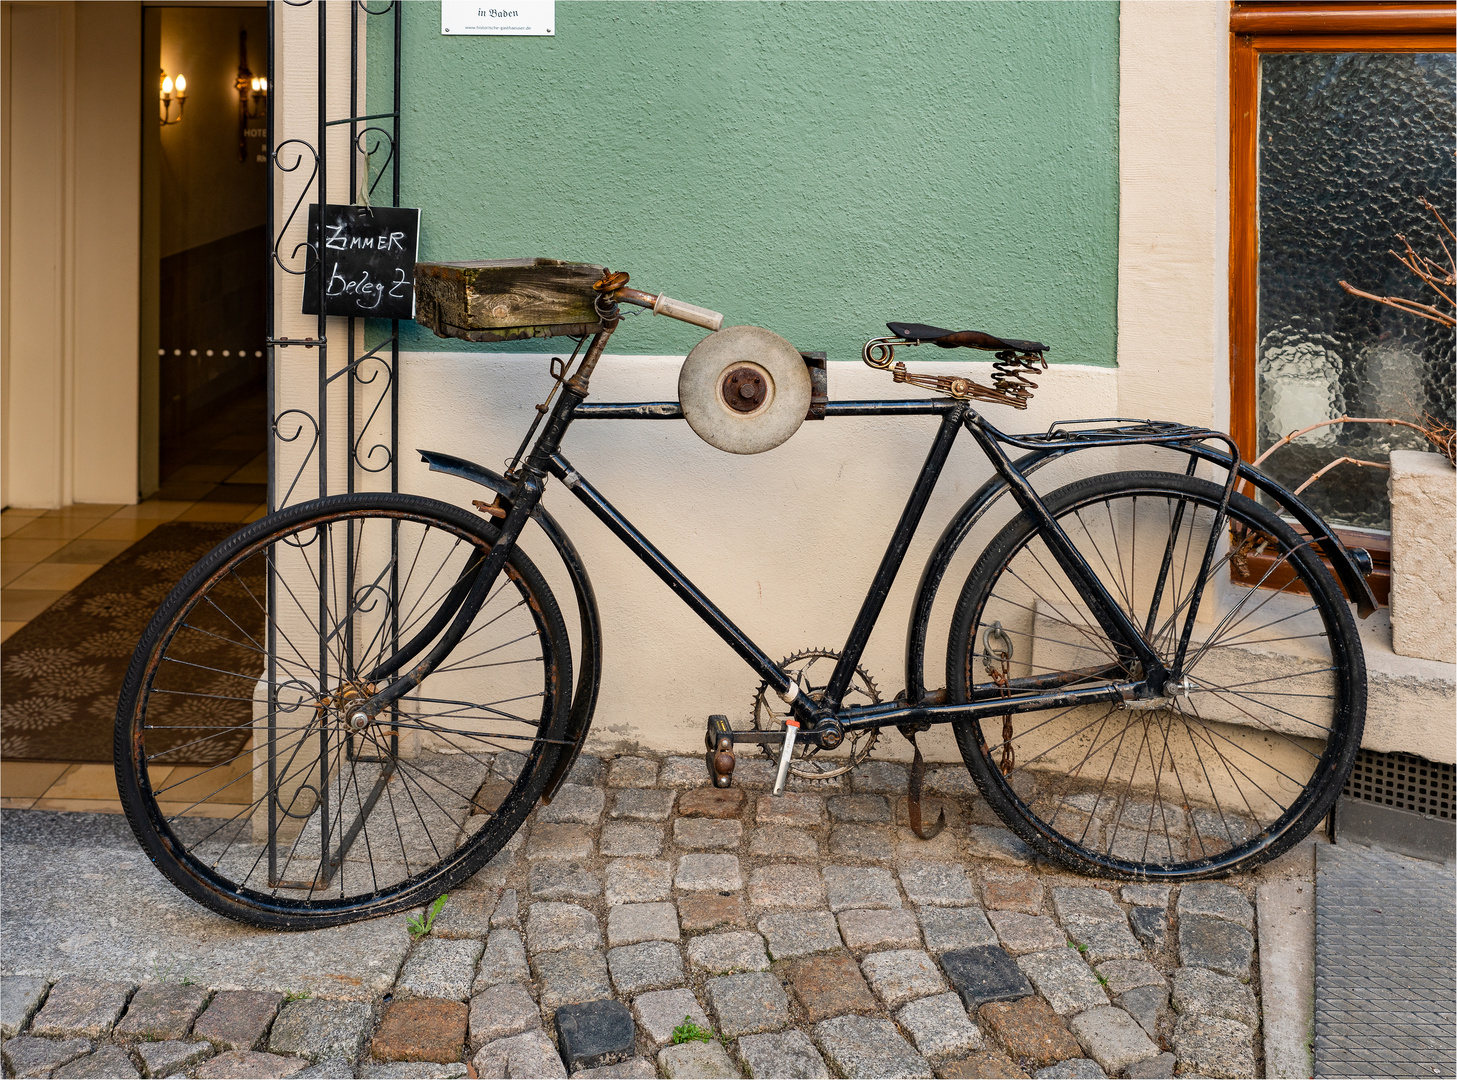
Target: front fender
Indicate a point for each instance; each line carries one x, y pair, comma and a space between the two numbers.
589, 671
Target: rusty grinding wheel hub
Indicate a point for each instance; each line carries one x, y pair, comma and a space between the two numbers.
744, 389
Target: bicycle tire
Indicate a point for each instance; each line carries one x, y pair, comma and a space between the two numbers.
237, 764
1231, 772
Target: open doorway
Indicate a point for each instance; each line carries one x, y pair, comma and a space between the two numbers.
203, 422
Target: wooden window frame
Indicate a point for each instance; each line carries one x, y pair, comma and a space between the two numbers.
1256, 29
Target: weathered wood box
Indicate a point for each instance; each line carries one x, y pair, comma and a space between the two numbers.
507, 299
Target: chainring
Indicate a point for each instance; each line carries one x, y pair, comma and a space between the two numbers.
809, 761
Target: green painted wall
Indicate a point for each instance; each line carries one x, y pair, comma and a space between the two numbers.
816, 168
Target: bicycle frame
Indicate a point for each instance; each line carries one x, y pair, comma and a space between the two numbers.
824, 722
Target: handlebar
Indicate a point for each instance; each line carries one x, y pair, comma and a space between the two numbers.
674, 309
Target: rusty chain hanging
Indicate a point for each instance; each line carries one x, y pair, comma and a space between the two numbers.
998, 663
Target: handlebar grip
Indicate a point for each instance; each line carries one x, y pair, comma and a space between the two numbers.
689, 313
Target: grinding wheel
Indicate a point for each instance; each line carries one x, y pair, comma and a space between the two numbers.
744, 389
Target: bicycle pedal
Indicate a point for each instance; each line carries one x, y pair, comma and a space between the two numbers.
719, 739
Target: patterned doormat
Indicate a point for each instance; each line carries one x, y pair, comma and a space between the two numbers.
63, 670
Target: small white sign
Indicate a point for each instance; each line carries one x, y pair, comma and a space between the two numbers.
499, 18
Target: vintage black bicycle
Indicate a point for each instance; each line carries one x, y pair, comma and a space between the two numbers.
1151, 674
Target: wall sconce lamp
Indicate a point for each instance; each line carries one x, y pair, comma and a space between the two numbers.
248, 86
171, 96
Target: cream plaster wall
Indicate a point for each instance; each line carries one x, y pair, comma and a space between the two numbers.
71, 253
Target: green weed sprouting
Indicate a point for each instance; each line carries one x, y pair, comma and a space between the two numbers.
419, 925
688, 1031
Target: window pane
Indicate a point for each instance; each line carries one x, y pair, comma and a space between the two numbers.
1348, 144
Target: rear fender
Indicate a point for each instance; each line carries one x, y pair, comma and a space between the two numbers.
589, 671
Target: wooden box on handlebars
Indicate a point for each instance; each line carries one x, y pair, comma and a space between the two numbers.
507, 299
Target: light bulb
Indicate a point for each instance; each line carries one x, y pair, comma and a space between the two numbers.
166, 85
181, 85
256, 86
263, 85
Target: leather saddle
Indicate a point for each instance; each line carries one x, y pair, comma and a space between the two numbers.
970, 339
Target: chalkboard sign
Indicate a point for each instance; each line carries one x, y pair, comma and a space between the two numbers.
367, 256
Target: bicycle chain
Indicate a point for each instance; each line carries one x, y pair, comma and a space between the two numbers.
761, 703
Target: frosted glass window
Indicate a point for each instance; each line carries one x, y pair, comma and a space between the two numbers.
1347, 144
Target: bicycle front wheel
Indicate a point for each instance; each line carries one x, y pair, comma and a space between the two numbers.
241, 764
1239, 761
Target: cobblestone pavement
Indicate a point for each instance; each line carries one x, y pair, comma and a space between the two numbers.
808, 935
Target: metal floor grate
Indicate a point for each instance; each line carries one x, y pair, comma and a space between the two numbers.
1404, 782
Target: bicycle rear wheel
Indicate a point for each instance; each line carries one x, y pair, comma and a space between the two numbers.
239, 766
1231, 770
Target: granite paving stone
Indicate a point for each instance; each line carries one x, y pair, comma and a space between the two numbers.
81, 1008
685, 772
868, 843
955, 928
1214, 1046
1101, 939
29, 1056
238, 1019
109, 1061
1072, 1069
786, 885
20, 997
1029, 1029
1206, 993
940, 1028
1112, 1038
570, 976
937, 884
564, 881
530, 1054
726, 954
1072, 902
985, 842
638, 881
628, 924
161, 1012
696, 1061
508, 764
981, 1065
1021, 933
632, 838
661, 1012
316, 1028
705, 911
499, 1011
172, 1055
902, 975
632, 772
747, 1004
709, 873
858, 887
863, 809
494, 874
587, 769
829, 984
1221, 946
787, 1054
595, 1033
943, 848
797, 811
931, 810
250, 1065
504, 960
1150, 926
569, 843
864, 1046
552, 926
508, 911
953, 781
390, 1070
1062, 977
756, 774
782, 842
1147, 1005
881, 777
1145, 895
880, 929
574, 803
790, 934
1125, 975
711, 802
1160, 1067
983, 973
1022, 894
643, 804
1217, 901
421, 1029
707, 834
632, 1069
466, 914
440, 968
653, 965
